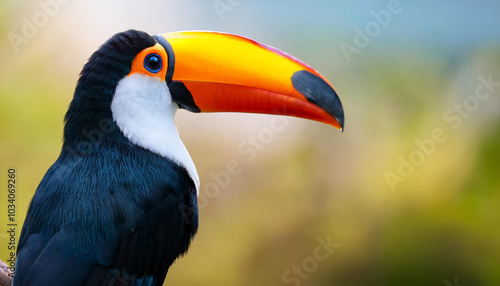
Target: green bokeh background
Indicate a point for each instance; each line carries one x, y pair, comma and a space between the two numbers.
440, 225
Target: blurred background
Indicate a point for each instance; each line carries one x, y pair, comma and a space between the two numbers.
408, 194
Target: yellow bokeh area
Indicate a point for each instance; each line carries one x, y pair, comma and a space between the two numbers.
407, 194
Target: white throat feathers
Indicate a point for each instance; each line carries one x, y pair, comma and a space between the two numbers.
142, 108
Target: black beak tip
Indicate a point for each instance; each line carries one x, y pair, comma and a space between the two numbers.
320, 93
341, 121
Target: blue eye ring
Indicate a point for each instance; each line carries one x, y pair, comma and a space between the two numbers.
153, 63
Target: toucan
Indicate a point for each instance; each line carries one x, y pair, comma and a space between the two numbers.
119, 205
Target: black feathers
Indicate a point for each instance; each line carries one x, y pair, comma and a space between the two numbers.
123, 213
107, 212
89, 111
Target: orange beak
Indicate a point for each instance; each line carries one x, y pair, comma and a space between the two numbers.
217, 72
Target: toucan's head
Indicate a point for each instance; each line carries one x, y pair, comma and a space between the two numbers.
136, 82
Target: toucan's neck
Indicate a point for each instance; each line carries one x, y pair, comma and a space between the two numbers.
89, 118
140, 113
112, 108
143, 110
89, 112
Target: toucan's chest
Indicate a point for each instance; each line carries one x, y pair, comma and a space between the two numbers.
112, 191
122, 207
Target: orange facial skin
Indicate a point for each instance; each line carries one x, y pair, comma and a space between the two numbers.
138, 62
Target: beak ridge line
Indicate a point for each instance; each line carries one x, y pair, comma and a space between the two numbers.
171, 57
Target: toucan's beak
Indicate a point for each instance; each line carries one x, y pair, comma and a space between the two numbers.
213, 72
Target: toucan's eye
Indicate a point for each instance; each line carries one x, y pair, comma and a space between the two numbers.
153, 63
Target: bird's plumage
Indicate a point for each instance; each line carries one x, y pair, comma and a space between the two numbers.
144, 111
119, 204
130, 218
107, 209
